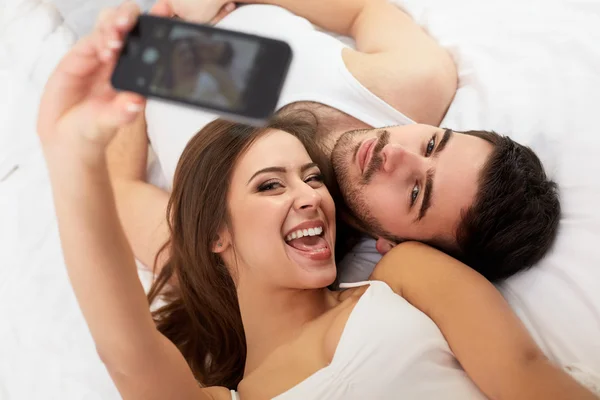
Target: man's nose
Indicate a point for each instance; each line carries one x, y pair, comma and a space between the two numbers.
396, 156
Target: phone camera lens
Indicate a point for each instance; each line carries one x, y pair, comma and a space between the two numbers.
150, 55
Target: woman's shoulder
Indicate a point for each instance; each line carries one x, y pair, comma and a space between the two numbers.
404, 263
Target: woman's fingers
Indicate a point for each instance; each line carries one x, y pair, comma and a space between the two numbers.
108, 116
78, 98
223, 12
111, 28
82, 60
121, 110
126, 17
100, 32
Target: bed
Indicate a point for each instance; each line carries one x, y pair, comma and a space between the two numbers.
527, 68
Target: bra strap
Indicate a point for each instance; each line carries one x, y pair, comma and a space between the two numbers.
354, 284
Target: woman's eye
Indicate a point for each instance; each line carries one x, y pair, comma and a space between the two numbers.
430, 147
414, 195
315, 178
269, 186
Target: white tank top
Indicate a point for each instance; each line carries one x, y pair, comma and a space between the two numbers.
388, 350
317, 73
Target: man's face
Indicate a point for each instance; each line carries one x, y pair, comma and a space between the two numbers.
409, 182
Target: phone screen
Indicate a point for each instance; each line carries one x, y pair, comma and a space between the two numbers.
211, 68
225, 71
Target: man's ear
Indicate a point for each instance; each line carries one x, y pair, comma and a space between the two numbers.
221, 242
383, 246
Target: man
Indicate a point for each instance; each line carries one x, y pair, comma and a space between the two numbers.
477, 195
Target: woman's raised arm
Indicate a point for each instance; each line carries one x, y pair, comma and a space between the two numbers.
79, 115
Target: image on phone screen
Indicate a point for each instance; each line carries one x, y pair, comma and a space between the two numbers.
207, 67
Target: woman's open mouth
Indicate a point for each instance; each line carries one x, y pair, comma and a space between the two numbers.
307, 239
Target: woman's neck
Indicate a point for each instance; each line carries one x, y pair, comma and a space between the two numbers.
272, 318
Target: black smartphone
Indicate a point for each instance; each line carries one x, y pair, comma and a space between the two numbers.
236, 75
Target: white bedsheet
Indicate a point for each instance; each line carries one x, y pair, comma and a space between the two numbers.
526, 67
531, 69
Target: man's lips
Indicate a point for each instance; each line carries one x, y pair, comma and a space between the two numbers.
365, 153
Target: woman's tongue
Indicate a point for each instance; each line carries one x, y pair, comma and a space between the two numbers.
309, 243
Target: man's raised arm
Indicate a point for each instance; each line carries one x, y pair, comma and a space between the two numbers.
395, 58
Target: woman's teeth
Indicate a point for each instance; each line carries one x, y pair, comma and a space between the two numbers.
304, 232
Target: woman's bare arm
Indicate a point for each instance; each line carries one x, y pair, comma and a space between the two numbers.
79, 115
487, 338
141, 206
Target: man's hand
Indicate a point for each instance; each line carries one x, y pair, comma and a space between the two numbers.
202, 12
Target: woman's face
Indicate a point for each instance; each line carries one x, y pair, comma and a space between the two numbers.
282, 229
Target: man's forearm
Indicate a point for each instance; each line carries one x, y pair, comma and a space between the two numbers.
336, 16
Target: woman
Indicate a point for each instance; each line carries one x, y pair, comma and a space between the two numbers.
251, 246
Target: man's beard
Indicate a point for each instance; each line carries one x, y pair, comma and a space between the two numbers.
343, 153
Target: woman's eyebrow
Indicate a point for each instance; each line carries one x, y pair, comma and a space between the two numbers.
265, 170
281, 170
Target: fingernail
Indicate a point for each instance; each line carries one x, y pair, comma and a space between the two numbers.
133, 107
114, 44
229, 6
122, 21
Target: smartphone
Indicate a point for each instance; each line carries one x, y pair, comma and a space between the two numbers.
236, 75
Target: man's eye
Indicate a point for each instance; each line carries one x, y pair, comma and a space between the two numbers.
430, 147
414, 195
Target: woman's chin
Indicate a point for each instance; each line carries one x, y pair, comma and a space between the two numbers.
317, 270
318, 279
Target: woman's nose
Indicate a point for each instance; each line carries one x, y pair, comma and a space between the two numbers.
397, 157
307, 198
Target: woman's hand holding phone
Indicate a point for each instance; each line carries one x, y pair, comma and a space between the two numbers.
79, 105
79, 101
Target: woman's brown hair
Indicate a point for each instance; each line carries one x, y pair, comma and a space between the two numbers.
201, 315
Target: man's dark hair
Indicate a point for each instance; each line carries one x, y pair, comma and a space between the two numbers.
514, 219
